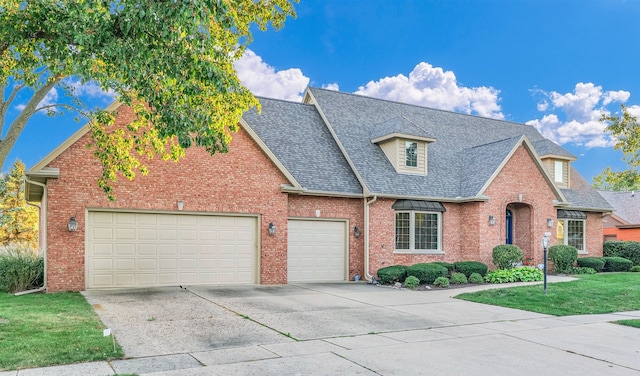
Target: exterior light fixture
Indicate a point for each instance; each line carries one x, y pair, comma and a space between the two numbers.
356, 231
272, 229
73, 224
492, 220
549, 222
180, 205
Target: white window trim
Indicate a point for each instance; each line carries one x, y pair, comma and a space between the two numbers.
558, 172
406, 144
412, 232
584, 233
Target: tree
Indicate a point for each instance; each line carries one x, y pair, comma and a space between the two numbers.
626, 131
171, 61
18, 222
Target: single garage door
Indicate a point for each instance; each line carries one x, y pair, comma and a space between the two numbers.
147, 249
316, 251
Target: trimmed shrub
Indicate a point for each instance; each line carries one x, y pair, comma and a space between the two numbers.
627, 249
635, 269
427, 272
595, 263
391, 274
458, 278
476, 278
449, 266
616, 264
441, 282
581, 270
21, 268
469, 267
563, 257
506, 255
411, 282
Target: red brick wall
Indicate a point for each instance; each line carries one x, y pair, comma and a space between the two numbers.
241, 181
339, 208
629, 234
594, 234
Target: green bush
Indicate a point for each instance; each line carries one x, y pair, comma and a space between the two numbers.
595, 263
581, 270
524, 274
441, 282
449, 266
635, 269
476, 278
427, 272
469, 267
411, 282
616, 264
458, 278
563, 257
627, 249
21, 268
505, 256
391, 274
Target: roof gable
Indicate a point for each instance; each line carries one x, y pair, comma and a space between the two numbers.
626, 205
399, 127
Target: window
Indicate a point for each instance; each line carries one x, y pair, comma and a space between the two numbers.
418, 231
571, 232
558, 171
411, 154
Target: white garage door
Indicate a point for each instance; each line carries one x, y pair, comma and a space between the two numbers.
316, 251
143, 249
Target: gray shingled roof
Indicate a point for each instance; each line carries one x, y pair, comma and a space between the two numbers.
548, 147
300, 140
582, 195
626, 205
397, 125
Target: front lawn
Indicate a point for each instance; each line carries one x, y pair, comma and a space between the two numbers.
39, 330
634, 323
590, 294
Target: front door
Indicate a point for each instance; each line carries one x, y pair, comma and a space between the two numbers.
509, 229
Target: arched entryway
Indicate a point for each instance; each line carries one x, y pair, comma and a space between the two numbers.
518, 224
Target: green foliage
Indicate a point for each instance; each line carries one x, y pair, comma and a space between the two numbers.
616, 264
627, 249
563, 257
595, 263
171, 61
458, 278
18, 221
391, 274
524, 274
449, 266
581, 270
469, 267
625, 129
441, 282
411, 282
427, 273
506, 255
21, 268
635, 269
476, 278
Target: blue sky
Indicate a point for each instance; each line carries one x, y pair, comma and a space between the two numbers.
556, 65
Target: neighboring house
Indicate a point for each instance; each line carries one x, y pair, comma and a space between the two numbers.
324, 190
624, 222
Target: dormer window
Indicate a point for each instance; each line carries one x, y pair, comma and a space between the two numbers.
411, 154
559, 170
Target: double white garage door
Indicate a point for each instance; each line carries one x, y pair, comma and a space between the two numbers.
153, 249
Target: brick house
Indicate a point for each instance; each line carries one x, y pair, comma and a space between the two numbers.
337, 186
624, 222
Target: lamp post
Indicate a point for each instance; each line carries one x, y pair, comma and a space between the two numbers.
545, 245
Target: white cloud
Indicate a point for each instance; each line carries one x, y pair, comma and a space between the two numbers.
333, 86
582, 110
90, 90
434, 87
263, 79
634, 111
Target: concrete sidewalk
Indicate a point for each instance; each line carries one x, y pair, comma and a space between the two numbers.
329, 329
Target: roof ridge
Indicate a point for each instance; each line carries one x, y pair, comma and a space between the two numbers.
283, 100
497, 141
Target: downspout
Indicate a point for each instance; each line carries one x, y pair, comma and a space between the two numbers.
367, 275
42, 230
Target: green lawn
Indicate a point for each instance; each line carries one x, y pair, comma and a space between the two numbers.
634, 323
40, 330
590, 294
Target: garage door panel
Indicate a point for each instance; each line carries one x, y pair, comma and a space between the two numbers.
316, 250
146, 249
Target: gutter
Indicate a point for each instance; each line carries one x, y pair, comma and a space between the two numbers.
367, 275
43, 230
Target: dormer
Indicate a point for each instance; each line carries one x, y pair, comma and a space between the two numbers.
556, 161
404, 144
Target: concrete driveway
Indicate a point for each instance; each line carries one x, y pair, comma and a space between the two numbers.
348, 328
